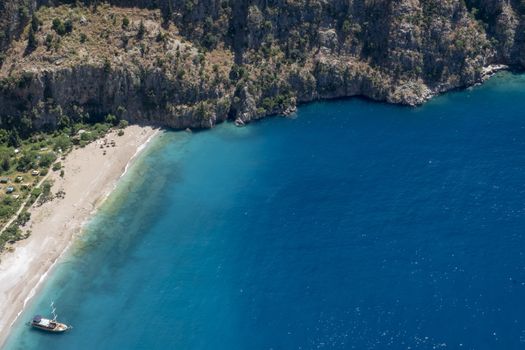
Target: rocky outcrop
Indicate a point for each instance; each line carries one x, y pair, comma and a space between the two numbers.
204, 61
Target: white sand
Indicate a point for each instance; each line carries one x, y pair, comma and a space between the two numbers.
89, 177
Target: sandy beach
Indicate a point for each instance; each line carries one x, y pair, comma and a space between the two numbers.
89, 177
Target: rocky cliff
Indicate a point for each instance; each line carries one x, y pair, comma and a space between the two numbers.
194, 63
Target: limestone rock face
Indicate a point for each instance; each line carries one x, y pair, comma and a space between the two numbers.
204, 61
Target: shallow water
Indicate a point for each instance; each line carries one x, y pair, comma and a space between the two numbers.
355, 225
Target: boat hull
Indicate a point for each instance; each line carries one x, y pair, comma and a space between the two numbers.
58, 328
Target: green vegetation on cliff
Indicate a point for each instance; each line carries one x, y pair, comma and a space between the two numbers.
197, 62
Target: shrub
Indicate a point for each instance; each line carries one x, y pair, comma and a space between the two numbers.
47, 159
86, 137
13, 233
161, 37
68, 26
46, 188
23, 218
268, 104
57, 166
210, 40
125, 23
63, 121
4, 135
7, 207
347, 27
23, 12
100, 129
37, 191
45, 193
58, 27
62, 142
49, 41
111, 119
26, 161
122, 124
120, 111
237, 72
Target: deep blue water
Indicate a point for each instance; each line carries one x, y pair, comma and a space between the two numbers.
355, 225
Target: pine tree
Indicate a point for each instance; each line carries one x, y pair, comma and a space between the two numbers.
6, 163
14, 139
142, 30
31, 40
35, 23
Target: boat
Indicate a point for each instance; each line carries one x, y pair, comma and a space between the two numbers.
48, 325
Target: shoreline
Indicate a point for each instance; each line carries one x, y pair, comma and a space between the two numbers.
90, 177
16, 291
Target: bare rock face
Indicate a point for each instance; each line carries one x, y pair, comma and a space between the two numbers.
201, 62
246, 109
328, 40
411, 93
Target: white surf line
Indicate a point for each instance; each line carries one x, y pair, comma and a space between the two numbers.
138, 151
41, 280
129, 163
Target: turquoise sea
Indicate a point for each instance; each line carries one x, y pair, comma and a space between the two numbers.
356, 225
